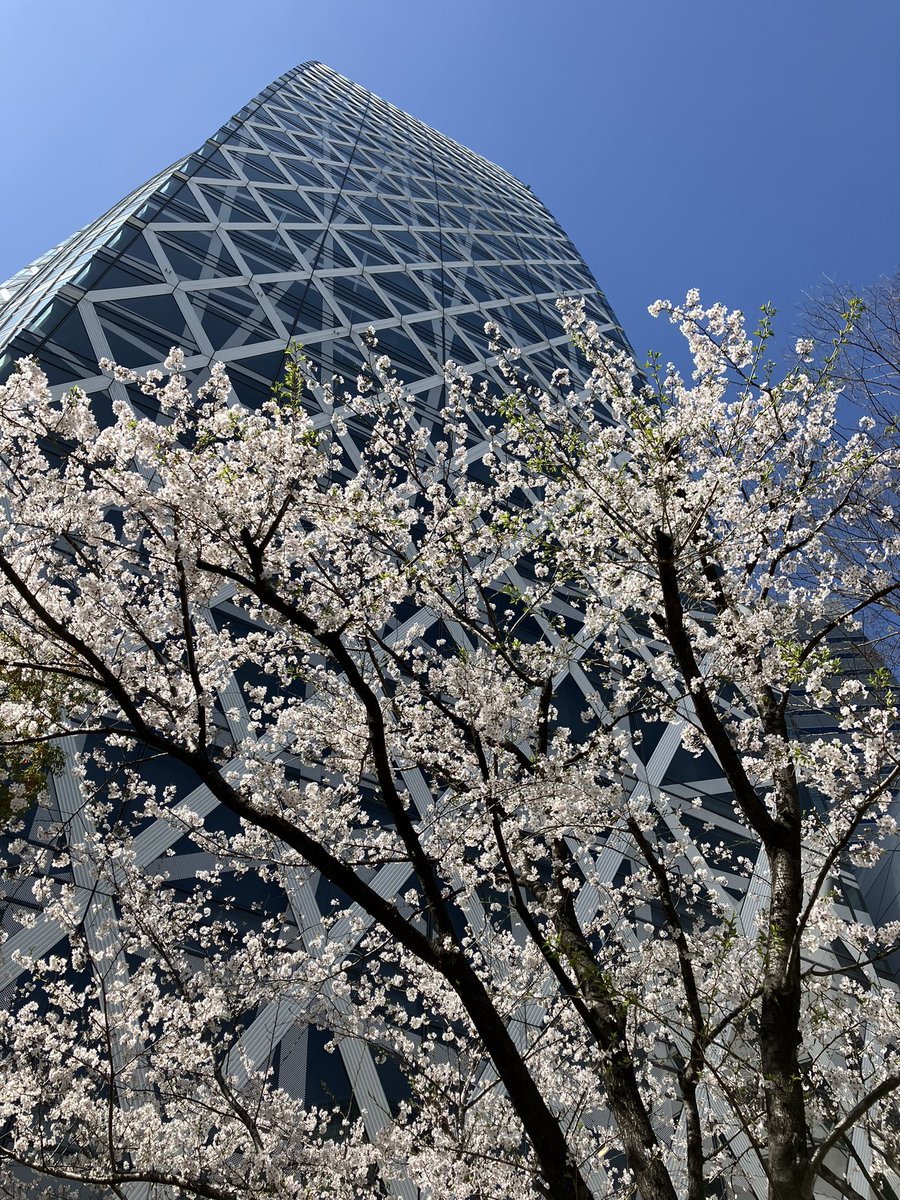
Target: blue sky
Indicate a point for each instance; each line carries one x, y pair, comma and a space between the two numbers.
751, 149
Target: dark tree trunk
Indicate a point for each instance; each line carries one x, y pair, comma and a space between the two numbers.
779, 1036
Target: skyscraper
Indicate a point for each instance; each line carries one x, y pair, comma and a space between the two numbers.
317, 212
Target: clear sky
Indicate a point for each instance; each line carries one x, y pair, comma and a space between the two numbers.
747, 147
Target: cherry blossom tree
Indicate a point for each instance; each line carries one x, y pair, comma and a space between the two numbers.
866, 321
387, 706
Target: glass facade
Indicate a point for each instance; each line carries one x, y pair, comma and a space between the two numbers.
318, 211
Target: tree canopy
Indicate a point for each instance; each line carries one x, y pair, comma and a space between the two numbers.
439, 716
